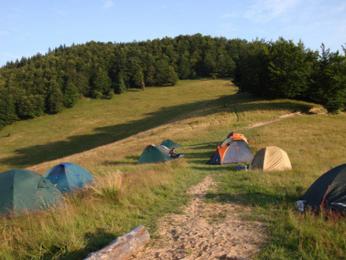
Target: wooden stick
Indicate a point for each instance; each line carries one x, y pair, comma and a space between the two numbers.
124, 246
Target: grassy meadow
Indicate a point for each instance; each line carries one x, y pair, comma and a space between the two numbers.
198, 114
314, 144
92, 123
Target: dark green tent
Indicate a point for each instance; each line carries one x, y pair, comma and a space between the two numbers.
154, 154
22, 190
328, 191
170, 144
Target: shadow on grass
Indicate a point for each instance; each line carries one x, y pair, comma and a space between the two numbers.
228, 168
93, 242
117, 163
205, 145
129, 160
234, 103
199, 155
252, 198
196, 155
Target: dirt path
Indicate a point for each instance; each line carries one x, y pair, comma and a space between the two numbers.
262, 123
205, 230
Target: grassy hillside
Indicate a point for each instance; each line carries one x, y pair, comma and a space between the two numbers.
126, 194
314, 144
96, 122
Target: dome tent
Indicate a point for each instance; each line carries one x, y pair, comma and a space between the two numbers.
154, 154
170, 144
23, 190
68, 176
234, 137
232, 152
271, 158
328, 191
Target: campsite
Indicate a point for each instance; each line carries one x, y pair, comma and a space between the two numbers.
126, 194
177, 130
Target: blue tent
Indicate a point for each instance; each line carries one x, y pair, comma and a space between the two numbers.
68, 176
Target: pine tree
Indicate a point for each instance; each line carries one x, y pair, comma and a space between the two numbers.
166, 74
329, 80
71, 94
119, 85
100, 84
55, 99
7, 107
29, 106
289, 69
137, 79
184, 69
172, 76
150, 76
251, 72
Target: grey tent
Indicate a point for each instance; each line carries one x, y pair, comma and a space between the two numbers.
233, 152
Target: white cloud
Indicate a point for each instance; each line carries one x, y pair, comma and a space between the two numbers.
266, 10
108, 3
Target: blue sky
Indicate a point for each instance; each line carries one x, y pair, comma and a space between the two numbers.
31, 26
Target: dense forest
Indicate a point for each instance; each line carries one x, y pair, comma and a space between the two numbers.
49, 83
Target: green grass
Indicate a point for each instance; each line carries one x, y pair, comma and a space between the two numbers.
87, 221
314, 144
200, 113
92, 123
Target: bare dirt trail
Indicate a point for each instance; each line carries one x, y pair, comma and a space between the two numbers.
205, 230
208, 230
263, 123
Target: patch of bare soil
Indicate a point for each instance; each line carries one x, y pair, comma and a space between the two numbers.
262, 123
205, 230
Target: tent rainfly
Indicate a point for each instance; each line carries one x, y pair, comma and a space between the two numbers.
23, 190
271, 158
68, 176
155, 154
232, 152
328, 192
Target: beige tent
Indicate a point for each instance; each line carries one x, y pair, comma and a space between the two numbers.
271, 158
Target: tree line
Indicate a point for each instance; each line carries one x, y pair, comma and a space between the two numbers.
30, 87
283, 69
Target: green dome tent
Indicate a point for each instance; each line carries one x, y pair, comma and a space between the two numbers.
170, 144
154, 154
22, 190
327, 192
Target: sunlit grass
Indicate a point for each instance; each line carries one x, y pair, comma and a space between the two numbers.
126, 194
314, 144
92, 123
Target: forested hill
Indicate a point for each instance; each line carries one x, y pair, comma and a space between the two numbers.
48, 83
